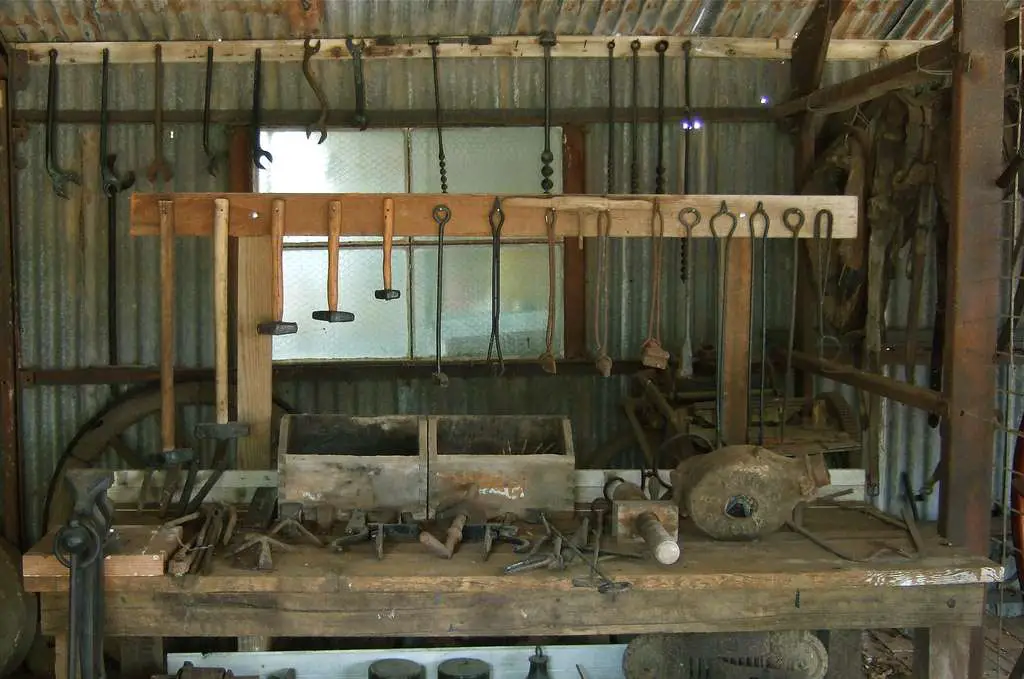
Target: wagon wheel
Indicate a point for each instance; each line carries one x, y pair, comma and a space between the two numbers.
129, 428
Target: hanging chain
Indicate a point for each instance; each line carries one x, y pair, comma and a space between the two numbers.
547, 41
634, 166
609, 186
434, 42
659, 170
497, 220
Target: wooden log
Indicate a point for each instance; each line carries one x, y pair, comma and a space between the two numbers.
363, 214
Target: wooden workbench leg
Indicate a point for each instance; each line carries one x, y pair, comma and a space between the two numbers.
845, 653
141, 657
60, 656
943, 652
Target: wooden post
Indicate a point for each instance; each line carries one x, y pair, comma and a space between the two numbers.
736, 345
574, 263
972, 284
254, 305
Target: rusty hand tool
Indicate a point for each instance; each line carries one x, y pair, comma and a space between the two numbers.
634, 151
442, 214
609, 185
213, 159
762, 348
308, 50
277, 326
659, 170
452, 539
222, 430
60, 178
721, 280
603, 362
547, 359
547, 41
356, 50
607, 585
332, 315
689, 217
265, 544
258, 153
159, 168
388, 293
652, 354
496, 218
169, 449
793, 220
441, 165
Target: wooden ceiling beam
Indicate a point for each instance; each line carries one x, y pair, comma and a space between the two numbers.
810, 48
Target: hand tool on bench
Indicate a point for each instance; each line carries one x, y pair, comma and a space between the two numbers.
258, 153
606, 585
159, 168
60, 178
721, 239
762, 348
652, 354
793, 220
113, 184
496, 219
634, 513
171, 456
689, 217
634, 151
441, 214
308, 50
659, 170
547, 359
388, 293
222, 431
332, 315
266, 542
80, 546
213, 159
603, 362
277, 326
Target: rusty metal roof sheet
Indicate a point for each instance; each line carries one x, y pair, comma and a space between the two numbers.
118, 20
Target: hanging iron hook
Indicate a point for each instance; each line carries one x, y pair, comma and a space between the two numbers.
308, 50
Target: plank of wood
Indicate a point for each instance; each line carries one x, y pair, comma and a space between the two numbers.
576, 46
254, 352
473, 613
363, 214
735, 350
943, 651
142, 551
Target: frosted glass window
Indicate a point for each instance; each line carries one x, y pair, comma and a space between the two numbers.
347, 162
466, 307
380, 329
487, 160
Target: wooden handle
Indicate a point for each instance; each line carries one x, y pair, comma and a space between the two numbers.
333, 233
389, 234
277, 238
220, 306
665, 550
167, 420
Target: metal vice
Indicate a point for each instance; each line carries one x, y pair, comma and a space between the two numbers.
79, 545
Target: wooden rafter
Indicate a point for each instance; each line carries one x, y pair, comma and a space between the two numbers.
573, 46
810, 48
362, 214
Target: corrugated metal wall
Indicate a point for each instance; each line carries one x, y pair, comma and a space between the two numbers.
62, 244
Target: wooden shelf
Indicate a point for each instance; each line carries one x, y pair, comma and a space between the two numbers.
363, 214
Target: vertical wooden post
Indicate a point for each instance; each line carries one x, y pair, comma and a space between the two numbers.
253, 304
574, 265
736, 345
973, 285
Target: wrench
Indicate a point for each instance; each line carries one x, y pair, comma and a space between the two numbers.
308, 50
356, 50
159, 167
59, 177
113, 183
258, 153
212, 159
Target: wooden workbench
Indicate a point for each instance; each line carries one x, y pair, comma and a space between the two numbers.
783, 582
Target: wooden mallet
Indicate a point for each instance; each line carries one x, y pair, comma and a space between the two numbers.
221, 429
277, 326
332, 315
388, 293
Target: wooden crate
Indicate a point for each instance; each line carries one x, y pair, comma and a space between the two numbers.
354, 462
517, 462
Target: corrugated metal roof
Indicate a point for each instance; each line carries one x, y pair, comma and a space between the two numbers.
116, 20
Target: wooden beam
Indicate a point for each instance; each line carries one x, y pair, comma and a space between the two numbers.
524, 215
511, 46
810, 48
736, 344
902, 392
574, 261
909, 70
